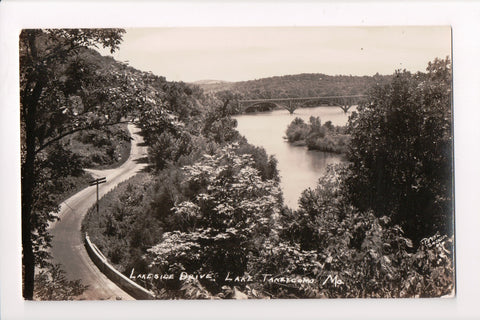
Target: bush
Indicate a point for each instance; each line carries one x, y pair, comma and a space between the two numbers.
101, 148
370, 254
401, 152
326, 138
297, 130
125, 223
223, 223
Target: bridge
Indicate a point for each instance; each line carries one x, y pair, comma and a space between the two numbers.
291, 104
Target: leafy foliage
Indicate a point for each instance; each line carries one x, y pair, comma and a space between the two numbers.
219, 126
301, 85
213, 206
371, 255
124, 227
326, 137
65, 88
227, 218
51, 284
401, 151
100, 148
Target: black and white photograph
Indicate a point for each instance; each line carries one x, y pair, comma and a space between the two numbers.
239, 160
237, 163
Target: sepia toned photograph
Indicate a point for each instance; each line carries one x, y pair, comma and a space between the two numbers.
237, 163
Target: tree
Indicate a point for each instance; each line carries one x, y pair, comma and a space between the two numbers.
64, 88
371, 255
228, 101
52, 284
218, 124
230, 213
182, 99
168, 125
401, 151
297, 130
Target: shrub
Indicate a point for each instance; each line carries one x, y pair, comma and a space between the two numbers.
401, 152
326, 138
297, 130
223, 223
370, 254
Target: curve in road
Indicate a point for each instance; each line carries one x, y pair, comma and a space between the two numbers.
67, 245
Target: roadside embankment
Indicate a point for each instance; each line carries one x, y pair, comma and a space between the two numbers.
132, 288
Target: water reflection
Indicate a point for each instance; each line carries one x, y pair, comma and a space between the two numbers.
299, 168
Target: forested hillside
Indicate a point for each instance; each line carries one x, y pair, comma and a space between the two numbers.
301, 85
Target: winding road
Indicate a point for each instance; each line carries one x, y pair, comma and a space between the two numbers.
68, 246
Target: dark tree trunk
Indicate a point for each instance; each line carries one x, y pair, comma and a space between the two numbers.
224, 108
28, 181
28, 258
29, 113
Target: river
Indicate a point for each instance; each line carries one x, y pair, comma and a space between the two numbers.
299, 168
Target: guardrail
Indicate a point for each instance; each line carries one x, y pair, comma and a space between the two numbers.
132, 288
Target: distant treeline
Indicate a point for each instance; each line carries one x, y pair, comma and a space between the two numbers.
300, 85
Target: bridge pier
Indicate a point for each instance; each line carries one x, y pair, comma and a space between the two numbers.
345, 108
291, 107
291, 104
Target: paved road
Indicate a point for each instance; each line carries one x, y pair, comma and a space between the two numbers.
68, 247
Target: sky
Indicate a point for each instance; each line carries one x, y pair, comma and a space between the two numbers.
237, 54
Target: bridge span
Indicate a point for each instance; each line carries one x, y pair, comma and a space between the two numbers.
344, 102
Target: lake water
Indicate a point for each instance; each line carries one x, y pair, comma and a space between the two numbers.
299, 168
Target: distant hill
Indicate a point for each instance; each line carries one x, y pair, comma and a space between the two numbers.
300, 85
208, 82
213, 85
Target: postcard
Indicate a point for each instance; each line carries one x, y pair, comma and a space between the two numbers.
237, 163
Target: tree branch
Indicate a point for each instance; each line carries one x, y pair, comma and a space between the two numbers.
73, 131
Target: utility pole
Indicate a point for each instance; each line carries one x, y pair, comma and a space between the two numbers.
97, 182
